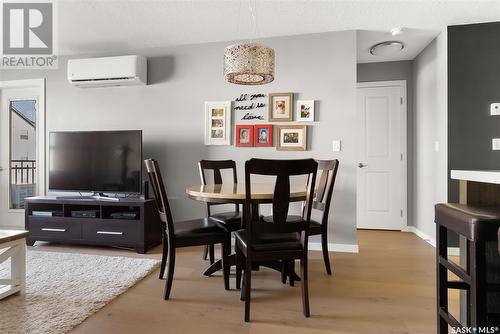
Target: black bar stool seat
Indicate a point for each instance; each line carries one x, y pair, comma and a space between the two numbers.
478, 224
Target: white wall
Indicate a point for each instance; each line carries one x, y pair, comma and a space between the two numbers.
171, 111
430, 126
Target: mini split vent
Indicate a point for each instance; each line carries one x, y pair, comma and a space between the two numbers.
107, 71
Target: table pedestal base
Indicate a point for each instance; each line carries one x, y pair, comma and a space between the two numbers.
217, 265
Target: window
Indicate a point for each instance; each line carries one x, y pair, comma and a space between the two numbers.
22, 150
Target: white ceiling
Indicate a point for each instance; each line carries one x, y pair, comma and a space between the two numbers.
95, 26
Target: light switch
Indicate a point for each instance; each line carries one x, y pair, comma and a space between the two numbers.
436, 146
495, 144
495, 109
336, 146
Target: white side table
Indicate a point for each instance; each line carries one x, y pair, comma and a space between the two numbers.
15, 244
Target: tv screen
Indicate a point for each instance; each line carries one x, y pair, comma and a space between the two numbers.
98, 161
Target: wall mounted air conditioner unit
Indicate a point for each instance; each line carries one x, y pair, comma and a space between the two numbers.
108, 71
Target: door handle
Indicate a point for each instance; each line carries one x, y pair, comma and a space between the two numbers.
54, 229
109, 232
361, 165
2, 169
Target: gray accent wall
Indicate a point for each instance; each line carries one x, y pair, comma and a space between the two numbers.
396, 70
473, 79
170, 111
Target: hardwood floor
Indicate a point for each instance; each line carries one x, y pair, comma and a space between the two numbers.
389, 287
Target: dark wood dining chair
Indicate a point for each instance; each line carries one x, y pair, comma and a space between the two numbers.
279, 239
231, 220
196, 232
322, 202
327, 173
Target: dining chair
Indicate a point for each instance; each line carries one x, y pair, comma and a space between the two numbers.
231, 220
322, 200
279, 239
327, 173
195, 232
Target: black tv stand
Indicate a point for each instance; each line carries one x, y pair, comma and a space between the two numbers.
141, 233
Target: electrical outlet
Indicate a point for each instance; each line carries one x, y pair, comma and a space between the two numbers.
495, 109
336, 146
495, 144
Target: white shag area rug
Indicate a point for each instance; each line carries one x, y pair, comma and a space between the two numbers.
63, 289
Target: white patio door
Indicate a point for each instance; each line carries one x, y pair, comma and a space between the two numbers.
381, 177
22, 131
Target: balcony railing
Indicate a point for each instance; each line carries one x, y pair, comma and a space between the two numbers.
23, 171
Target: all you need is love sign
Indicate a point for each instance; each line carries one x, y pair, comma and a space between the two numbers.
249, 108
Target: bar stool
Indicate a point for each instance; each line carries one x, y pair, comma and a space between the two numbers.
478, 225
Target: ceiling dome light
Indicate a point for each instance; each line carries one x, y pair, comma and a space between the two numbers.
387, 48
248, 64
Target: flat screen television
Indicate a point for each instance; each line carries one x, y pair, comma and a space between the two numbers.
95, 161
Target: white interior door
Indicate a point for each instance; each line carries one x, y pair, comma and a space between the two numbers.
21, 151
381, 177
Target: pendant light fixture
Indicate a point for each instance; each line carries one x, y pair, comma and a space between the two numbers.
249, 63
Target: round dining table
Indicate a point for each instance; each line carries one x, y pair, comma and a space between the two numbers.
262, 192
235, 193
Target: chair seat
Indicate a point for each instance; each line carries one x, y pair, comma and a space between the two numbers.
289, 219
271, 241
476, 223
201, 228
314, 226
231, 220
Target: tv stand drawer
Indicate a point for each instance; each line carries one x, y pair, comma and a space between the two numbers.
59, 230
117, 232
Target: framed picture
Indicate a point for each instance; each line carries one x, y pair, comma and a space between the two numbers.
280, 107
305, 111
244, 135
292, 138
218, 123
263, 135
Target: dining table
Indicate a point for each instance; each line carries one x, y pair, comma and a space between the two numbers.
235, 193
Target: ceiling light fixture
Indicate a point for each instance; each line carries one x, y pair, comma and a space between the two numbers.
387, 48
249, 63
396, 31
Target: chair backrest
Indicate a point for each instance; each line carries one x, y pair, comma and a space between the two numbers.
216, 166
324, 186
156, 180
283, 170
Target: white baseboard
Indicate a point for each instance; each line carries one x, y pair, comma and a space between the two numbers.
9, 227
333, 247
453, 251
420, 234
